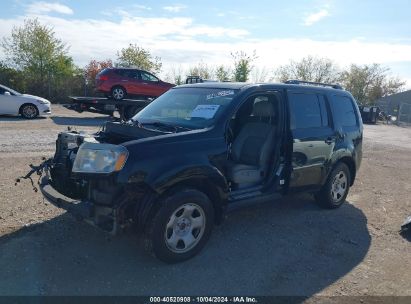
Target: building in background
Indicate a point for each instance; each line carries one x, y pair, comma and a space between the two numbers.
398, 105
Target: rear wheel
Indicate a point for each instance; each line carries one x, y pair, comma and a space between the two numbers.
29, 111
181, 227
118, 93
335, 190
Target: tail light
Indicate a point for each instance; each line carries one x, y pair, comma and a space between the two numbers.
102, 77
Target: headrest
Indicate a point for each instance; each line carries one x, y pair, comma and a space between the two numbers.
263, 108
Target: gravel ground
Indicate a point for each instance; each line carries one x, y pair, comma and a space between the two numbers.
289, 247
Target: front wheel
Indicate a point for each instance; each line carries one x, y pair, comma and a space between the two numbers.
335, 190
181, 227
29, 111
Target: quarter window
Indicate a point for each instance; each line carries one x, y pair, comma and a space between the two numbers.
345, 111
308, 111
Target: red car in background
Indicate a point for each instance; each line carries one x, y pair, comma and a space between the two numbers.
120, 82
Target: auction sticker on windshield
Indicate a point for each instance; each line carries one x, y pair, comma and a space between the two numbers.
205, 111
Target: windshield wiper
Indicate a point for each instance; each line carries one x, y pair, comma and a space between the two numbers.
172, 128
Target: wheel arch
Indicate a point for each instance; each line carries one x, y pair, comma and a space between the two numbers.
351, 166
28, 104
151, 202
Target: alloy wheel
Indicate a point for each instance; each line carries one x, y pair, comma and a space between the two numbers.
185, 228
339, 186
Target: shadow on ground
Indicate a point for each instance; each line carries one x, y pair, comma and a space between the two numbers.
81, 121
290, 247
19, 118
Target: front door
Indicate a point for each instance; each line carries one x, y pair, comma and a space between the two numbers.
151, 84
313, 138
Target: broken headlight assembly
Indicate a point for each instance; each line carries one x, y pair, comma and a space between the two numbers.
99, 158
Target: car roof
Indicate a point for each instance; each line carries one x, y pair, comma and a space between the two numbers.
265, 85
216, 85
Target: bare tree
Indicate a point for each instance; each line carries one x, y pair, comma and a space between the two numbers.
260, 74
203, 70
175, 75
310, 69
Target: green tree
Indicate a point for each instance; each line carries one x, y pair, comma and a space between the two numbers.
12, 78
138, 57
223, 73
243, 64
368, 83
34, 49
310, 68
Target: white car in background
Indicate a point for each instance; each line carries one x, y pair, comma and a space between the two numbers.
28, 106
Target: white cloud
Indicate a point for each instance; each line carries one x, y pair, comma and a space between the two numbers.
315, 17
41, 7
180, 42
174, 8
142, 7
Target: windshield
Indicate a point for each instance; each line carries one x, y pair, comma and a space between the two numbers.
193, 108
9, 90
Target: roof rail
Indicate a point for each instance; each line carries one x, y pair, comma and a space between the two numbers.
334, 86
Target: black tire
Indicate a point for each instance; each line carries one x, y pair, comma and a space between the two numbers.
335, 190
29, 111
158, 236
118, 93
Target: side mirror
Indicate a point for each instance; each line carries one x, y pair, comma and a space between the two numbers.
7, 93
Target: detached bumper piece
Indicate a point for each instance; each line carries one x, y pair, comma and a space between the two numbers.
98, 216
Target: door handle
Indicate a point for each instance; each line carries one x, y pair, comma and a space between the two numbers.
124, 80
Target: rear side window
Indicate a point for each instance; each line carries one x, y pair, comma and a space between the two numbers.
103, 72
128, 73
345, 111
307, 111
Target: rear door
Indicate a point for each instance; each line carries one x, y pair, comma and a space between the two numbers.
313, 138
349, 125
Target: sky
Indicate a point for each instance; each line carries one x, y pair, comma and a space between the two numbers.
183, 33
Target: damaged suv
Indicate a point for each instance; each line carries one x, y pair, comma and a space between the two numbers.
201, 150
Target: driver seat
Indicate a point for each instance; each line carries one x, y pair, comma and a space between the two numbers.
252, 148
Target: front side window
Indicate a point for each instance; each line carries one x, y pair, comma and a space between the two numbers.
148, 77
307, 111
4, 89
345, 112
194, 108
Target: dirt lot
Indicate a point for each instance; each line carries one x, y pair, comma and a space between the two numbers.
290, 247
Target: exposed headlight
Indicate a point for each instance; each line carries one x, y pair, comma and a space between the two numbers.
42, 101
99, 158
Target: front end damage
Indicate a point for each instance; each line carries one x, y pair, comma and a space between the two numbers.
94, 198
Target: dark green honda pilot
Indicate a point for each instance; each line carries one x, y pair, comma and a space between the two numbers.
201, 150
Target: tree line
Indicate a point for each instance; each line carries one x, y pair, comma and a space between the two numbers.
37, 62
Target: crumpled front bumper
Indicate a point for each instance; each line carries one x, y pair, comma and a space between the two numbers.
80, 209
99, 216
